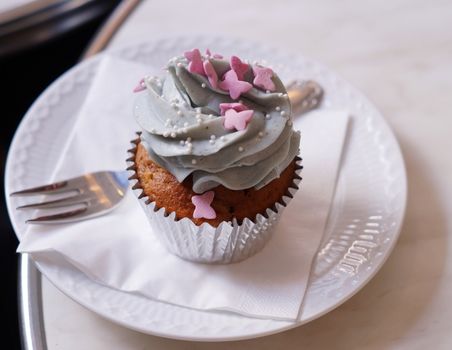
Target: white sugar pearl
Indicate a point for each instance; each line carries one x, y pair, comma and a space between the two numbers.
240, 149
280, 94
278, 108
182, 142
268, 116
213, 137
222, 138
211, 142
166, 134
203, 85
283, 113
179, 64
173, 135
193, 161
261, 134
267, 91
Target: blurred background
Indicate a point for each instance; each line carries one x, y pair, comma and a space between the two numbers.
39, 40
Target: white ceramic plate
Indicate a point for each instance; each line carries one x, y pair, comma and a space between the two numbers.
363, 225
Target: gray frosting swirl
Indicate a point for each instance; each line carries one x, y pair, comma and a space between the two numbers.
182, 129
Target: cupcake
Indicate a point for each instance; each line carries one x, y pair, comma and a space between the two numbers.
216, 159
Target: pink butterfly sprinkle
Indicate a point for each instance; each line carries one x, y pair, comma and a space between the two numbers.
236, 106
237, 120
202, 206
263, 78
215, 55
140, 87
195, 66
235, 86
211, 73
239, 67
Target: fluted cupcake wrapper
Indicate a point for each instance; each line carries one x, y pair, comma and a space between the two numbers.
228, 243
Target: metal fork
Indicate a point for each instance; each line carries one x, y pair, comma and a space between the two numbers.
89, 195
97, 193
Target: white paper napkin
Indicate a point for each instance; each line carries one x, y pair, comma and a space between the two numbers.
119, 249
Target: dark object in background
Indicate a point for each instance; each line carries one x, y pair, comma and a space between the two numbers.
40, 21
24, 74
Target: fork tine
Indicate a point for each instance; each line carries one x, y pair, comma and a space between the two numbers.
57, 187
63, 202
95, 194
73, 184
57, 218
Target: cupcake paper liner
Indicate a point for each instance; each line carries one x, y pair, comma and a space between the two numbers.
228, 243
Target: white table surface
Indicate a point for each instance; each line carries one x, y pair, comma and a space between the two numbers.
6, 5
399, 54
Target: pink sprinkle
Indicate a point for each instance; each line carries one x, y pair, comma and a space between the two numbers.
215, 55
235, 106
196, 65
263, 78
235, 86
237, 120
239, 67
202, 206
211, 73
140, 87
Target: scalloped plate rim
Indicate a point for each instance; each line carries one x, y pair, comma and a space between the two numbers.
285, 325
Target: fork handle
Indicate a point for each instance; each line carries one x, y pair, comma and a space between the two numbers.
304, 96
